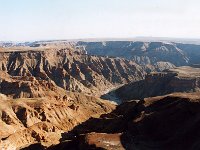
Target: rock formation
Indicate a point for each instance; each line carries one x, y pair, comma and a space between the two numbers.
42, 120
49, 95
67, 68
147, 53
143, 53
161, 123
180, 79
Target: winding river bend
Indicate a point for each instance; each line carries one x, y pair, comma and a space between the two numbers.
111, 95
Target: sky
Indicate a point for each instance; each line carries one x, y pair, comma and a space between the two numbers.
24, 20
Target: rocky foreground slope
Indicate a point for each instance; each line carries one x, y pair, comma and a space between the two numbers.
43, 120
180, 79
158, 123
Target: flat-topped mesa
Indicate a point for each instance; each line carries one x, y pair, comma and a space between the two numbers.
176, 81
195, 65
183, 83
180, 79
159, 75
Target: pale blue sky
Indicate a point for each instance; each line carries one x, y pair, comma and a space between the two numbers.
72, 19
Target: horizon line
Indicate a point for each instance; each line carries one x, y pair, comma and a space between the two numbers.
103, 39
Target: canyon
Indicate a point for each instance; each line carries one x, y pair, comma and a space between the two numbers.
99, 95
68, 69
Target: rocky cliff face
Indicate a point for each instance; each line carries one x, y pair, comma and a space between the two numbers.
181, 79
192, 51
145, 53
68, 69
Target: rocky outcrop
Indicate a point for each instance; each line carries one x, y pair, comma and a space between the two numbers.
29, 87
101, 140
181, 79
161, 66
